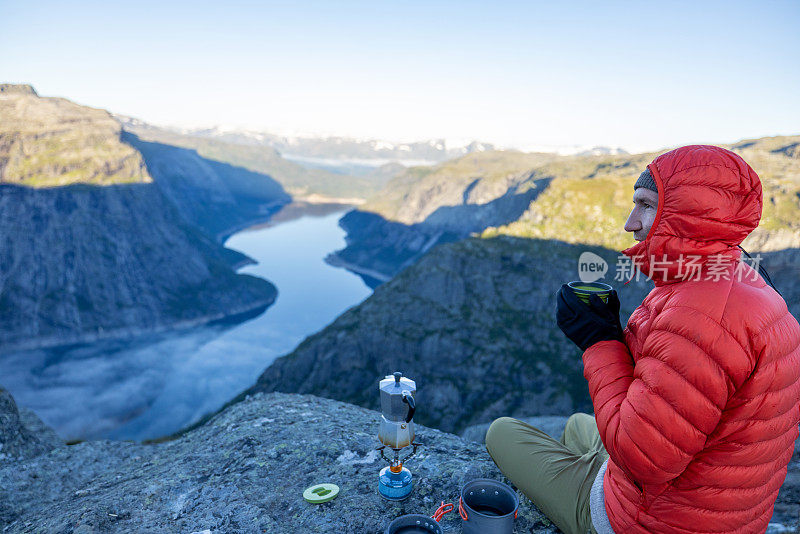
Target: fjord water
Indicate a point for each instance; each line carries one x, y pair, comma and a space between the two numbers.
151, 388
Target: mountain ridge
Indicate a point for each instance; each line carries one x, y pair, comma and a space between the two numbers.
49, 142
580, 199
298, 181
92, 247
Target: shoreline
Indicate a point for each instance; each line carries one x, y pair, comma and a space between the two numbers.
267, 212
135, 334
334, 260
280, 212
322, 199
297, 209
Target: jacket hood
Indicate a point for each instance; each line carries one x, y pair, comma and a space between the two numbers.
709, 200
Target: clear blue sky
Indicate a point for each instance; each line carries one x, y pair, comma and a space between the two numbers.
633, 74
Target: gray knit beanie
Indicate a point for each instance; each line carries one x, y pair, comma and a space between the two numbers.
646, 180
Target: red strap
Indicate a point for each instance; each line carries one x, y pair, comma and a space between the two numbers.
443, 509
461, 511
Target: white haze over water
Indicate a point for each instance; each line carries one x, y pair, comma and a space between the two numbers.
113, 390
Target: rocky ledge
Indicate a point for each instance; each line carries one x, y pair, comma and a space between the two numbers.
245, 471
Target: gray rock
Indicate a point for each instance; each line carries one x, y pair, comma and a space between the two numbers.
244, 471
17, 89
38, 428
22, 435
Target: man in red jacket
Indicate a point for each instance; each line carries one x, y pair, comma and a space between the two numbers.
697, 401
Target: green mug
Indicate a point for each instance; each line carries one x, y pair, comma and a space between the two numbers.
584, 289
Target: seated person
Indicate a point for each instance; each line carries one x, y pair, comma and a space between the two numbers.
697, 400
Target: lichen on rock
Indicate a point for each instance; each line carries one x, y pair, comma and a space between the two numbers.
243, 471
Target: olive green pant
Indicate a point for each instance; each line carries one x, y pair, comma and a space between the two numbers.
557, 476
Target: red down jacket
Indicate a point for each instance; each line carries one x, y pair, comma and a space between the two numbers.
699, 412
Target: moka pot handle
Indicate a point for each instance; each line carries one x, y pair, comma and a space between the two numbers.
412, 406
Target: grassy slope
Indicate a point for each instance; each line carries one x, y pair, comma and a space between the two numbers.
589, 197
589, 203
49, 142
494, 168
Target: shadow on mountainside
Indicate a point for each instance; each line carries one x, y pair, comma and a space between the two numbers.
85, 262
217, 197
377, 249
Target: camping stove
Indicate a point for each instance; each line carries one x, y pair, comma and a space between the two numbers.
396, 433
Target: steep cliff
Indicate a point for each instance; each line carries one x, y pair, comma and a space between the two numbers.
216, 197
467, 182
48, 142
89, 245
84, 262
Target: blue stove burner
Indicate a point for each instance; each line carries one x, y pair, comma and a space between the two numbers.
394, 486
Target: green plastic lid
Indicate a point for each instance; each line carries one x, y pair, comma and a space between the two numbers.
321, 493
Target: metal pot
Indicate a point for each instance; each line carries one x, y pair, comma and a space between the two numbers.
487, 507
414, 524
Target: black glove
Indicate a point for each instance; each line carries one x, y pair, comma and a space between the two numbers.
586, 324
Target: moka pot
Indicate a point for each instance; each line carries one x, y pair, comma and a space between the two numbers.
397, 407
396, 432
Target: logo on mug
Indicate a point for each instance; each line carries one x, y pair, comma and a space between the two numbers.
591, 267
